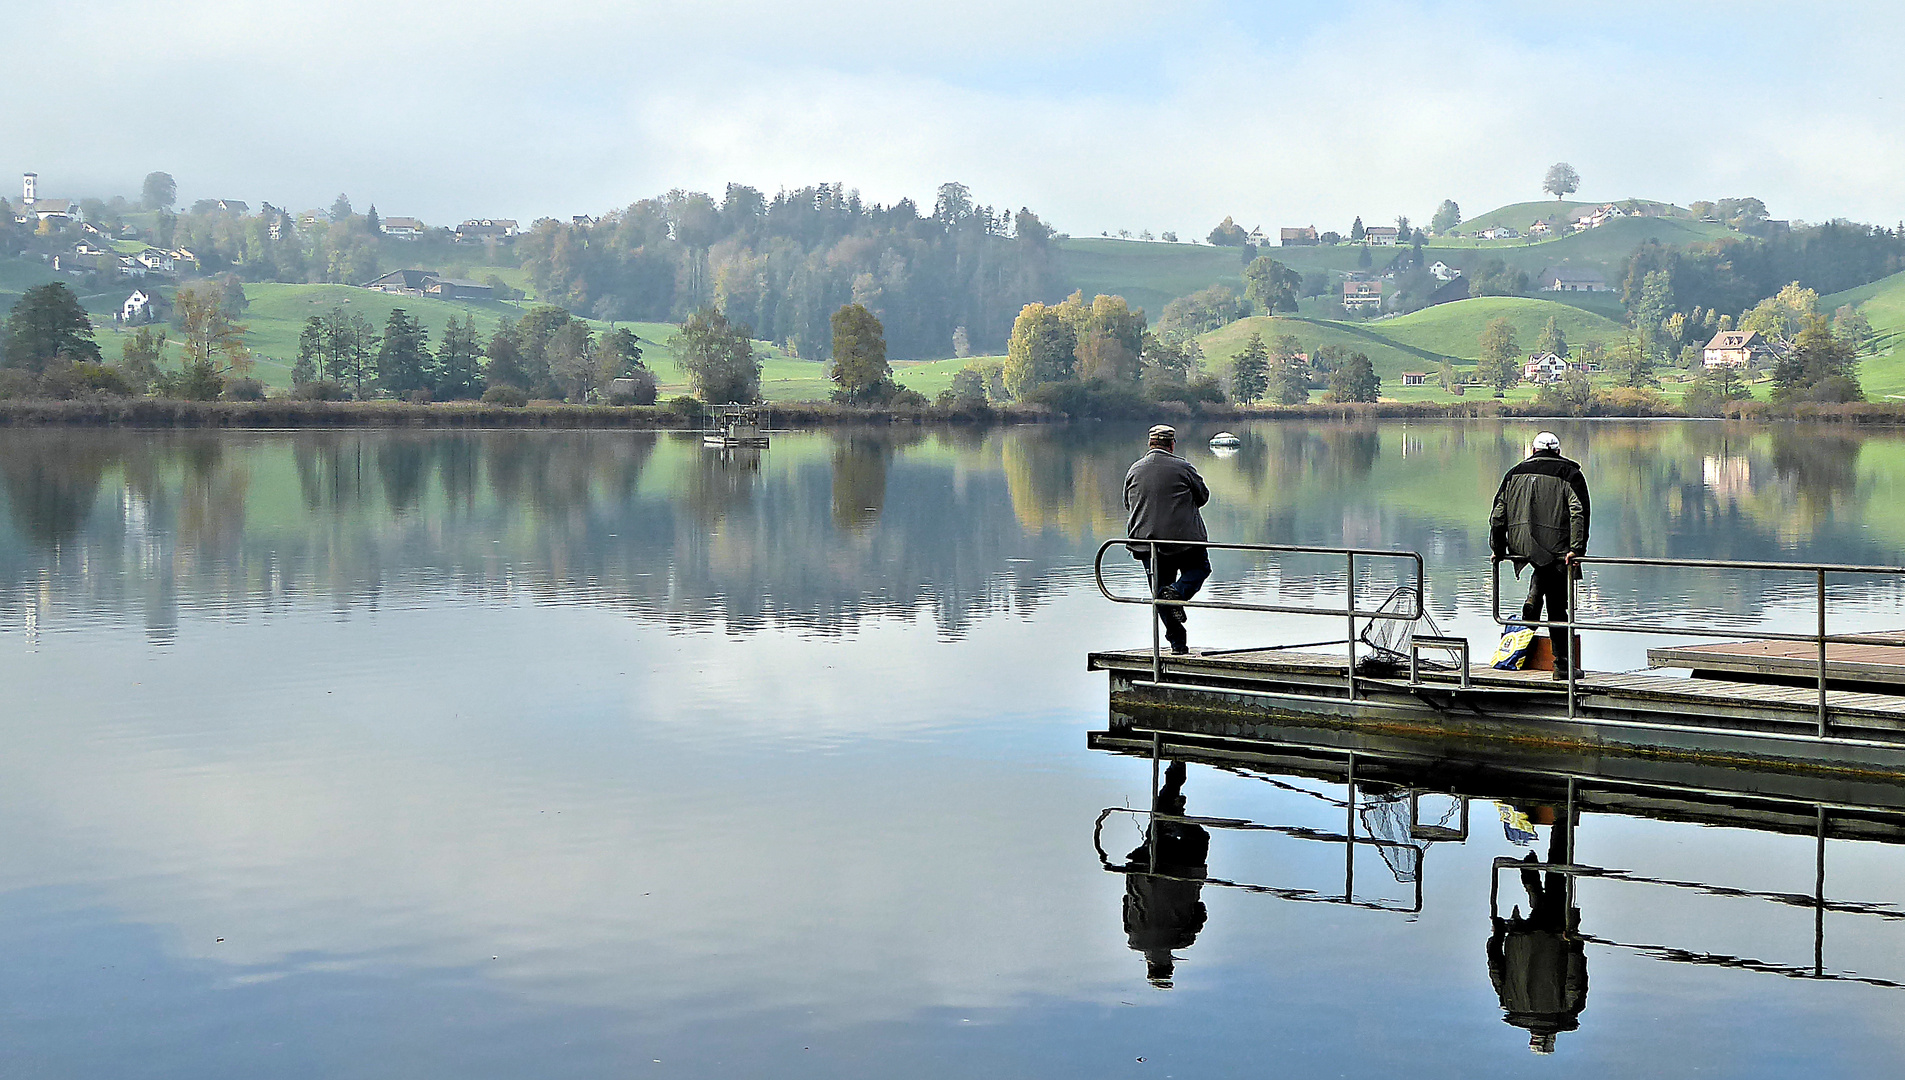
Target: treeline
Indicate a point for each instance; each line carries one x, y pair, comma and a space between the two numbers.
951, 280
1734, 273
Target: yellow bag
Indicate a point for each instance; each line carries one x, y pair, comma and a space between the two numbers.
1512, 653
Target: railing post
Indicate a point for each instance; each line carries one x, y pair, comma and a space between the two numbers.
1151, 580
1822, 654
1819, 899
1574, 661
1350, 606
1349, 833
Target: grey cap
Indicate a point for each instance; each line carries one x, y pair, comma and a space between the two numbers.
1163, 433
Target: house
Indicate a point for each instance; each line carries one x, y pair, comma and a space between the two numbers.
137, 309
1735, 348
486, 229
1256, 236
57, 211
1541, 228
1563, 279
1360, 294
232, 206
155, 259
84, 248
1305, 237
404, 282
1499, 232
1544, 368
1380, 236
1442, 271
403, 228
1415, 378
581, 219
455, 289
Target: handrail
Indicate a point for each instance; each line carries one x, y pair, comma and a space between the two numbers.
1350, 611
1820, 636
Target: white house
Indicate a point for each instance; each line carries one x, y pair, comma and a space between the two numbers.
404, 228
1541, 228
1499, 232
1544, 368
1380, 236
1442, 271
137, 308
1415, 378
1734, 348
156, 259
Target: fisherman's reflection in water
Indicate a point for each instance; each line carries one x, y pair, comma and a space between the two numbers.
1164, 883
1539, 963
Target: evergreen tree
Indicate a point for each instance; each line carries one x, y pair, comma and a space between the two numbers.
503, 358
1355, 379
403, 358
372, 222
48, 324
1356, 231
457, 375
1250, 372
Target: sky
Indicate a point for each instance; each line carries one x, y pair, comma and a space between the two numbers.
1114, 114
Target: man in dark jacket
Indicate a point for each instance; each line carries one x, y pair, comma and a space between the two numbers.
1162, 493
1541, 519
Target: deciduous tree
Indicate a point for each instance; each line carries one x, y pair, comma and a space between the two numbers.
159, 191
1562, 180
1270, 285
1500, 365
1041, 350
1447, 217
860, 371
719, 358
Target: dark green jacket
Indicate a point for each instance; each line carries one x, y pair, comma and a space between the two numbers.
1541, 511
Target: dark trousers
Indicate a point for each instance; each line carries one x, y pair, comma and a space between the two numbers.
1548, 586
1177, 576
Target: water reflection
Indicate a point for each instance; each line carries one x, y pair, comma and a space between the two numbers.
1537, 961
1164, 882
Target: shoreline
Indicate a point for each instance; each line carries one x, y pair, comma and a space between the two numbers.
292, 414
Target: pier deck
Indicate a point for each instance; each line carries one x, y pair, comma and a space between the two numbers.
1794, 662
1256, 693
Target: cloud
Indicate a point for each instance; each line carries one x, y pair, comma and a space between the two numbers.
1131, 114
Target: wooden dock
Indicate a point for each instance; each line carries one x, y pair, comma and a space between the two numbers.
1269, 694
1796, 663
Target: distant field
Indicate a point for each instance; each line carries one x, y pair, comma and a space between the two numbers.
1883, 303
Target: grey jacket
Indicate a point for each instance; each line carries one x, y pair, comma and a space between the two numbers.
1162, 493
1541, 511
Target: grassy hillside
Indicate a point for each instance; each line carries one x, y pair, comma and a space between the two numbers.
1417, 342
1520, 215
1883, 303
1148, 275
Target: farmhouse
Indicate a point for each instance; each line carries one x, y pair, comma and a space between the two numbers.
486, 229
137, 308
1359, 294
1305, 237
1562, 279
403, 228
1442, 271
1734, 348
1415, 378
429, 283
1499, 232
1380, 236
1541, 228
1544, 368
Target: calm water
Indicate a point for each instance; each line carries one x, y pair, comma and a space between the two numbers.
598, 754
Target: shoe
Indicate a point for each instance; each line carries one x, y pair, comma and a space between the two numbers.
1178, 649
1560, 674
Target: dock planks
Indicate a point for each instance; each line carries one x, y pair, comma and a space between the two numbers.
1790, 661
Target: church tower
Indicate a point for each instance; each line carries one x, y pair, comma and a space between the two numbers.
30, 189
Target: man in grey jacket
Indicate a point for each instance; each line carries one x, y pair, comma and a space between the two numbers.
1161, 494
1541, 519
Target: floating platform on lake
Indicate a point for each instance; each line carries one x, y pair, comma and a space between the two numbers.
1794, 663
1275, 695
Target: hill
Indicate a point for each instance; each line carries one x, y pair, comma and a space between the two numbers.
1420, 341
1883, 304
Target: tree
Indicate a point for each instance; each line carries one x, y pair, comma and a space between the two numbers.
503, 358
403, 358
968, 389
46, 325
372, 223
1357, 232
353, 346
618, 355
1403, 232
572, 361
1562, 180
1500, 365
1289, 374
1355, 379
140, 355
159, 192
860, 371
457, 375
1552, 339
1632, 362
1270, 285
1851, 327
1170, 360
214, 343
341, 208
1653, 308
1041, 350
1110, 340
719, 358
1447, 217
1781, 317
1818, 367
1200, 312
1250, 371
1229, 234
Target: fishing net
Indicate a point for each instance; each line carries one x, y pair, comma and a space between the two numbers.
1387, 817
1388, 639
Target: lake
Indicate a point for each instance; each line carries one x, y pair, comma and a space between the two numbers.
552, 754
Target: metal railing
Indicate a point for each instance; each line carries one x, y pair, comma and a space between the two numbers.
1820, 637
1349, 610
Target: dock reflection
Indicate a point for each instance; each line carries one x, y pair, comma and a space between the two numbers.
1537, 951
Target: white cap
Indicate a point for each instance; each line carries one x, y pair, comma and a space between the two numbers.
1547, 440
